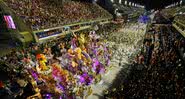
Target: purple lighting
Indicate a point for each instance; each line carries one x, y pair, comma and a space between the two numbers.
9, 22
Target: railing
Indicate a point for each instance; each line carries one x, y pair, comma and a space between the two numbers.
51, 33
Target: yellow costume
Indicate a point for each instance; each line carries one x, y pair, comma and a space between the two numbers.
71, 52
42, 61
82, 40
78, 53
74, 64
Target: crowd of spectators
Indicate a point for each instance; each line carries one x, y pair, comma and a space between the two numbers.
177, 12
41, 14
180, 18
170, 12
157, 72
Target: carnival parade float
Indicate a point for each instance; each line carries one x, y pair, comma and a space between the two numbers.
74, 70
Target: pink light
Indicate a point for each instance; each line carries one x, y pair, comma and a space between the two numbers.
9, 22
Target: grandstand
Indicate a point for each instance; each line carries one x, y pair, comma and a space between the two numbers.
39, 16
179, 23
92, 49
33, 18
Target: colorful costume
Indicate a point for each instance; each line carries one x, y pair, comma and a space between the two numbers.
42, 62
82, 40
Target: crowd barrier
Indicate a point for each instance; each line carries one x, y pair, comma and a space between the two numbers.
52, 33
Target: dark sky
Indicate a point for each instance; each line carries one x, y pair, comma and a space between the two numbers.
150, 4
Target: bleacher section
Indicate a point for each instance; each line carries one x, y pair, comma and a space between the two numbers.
179, 17
179, 24
179, 21
171, 12
39, 16
132, 12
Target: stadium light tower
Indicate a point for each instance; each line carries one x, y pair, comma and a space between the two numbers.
125, 2
180, 2
120, 1
130, 3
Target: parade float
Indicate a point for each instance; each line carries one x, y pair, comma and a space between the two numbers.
79, 66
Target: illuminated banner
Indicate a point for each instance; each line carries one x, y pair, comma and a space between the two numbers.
9, 22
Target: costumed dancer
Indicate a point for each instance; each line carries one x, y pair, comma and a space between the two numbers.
42, 62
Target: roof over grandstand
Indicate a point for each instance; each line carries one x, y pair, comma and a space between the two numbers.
153, 4
149, 4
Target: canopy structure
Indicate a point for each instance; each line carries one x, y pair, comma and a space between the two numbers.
149, 4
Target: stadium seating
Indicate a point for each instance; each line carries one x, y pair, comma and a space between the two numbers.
180, 18
39, 16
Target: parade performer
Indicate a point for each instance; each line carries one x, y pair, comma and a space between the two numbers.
87, 59
82, 40
70, 53
86, 79
42, 62
73, 41
106, 55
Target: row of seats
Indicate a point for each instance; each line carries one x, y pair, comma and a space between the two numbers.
41, 14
